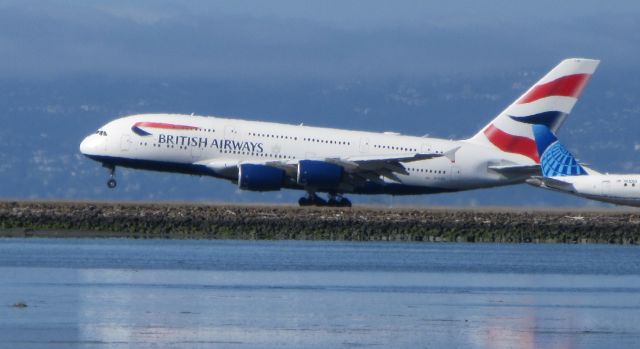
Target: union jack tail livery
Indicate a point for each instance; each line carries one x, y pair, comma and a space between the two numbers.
547, 103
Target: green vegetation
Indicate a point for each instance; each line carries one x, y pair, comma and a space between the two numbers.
184, 221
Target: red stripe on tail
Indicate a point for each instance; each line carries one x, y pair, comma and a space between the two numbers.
512, 144
567, 86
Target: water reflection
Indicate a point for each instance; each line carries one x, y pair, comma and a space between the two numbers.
309, 309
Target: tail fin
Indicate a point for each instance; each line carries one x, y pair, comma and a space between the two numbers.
548, 103
555, 159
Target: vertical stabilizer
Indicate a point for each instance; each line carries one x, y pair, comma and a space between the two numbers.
555, 159
547, 103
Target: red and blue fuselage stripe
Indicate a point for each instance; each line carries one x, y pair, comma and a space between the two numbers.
139, 131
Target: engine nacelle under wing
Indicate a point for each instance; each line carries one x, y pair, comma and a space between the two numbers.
260, 177
319, 174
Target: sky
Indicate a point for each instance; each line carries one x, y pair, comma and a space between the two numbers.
289, 39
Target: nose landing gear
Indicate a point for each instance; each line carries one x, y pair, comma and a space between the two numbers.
111, 183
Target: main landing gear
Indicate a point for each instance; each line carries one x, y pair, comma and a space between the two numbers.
111, 183
335, 200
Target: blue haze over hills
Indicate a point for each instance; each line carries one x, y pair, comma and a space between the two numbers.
414, 67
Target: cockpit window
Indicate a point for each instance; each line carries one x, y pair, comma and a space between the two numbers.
101, 133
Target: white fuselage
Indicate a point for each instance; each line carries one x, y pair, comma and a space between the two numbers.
621, 189
213, 146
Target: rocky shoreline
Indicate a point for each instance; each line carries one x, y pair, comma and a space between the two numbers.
262, 222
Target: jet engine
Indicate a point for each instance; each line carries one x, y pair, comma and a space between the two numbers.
260, 177
319, 174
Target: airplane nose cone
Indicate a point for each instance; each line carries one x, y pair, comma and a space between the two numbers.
84, 145
91, 145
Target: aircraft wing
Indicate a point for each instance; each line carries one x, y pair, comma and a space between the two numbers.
551, 183
371, 167
368, 167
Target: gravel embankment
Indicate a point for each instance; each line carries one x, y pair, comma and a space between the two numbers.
200, 221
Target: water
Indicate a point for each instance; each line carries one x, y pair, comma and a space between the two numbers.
120, 293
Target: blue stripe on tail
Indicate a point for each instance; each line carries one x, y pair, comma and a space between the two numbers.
551, 119
555, 159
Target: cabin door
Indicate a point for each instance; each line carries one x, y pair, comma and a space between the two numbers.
455, 172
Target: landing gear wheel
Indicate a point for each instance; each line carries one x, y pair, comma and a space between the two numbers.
312, 200
318, 201
344, 203
304, 201
111, 183
336, 200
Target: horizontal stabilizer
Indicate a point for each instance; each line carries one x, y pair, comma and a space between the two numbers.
551, 183
517, 170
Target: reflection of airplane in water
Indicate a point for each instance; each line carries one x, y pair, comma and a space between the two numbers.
263, 156
562, 172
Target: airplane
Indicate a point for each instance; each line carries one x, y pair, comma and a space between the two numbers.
268, 156
562, 172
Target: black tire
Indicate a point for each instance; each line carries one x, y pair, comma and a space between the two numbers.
304, 202
318, 201
345, 203
112, 183
333, 203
